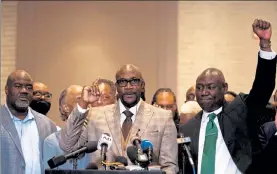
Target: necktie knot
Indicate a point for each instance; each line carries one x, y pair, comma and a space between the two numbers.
128, 113
211, 116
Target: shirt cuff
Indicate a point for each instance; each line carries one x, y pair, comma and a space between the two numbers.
81, 109
275, 133
267, 55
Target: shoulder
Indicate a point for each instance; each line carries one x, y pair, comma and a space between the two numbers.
268, 127
51, 139
158, 111
192, 123
43, 118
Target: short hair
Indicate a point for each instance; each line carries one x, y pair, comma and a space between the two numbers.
176, 117
232, 93
110, 83
62, 96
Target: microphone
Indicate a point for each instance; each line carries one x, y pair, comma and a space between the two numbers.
141, 157
136, 142
147, 148
122, 160
104, 144
89, 147
132, 153
184, 141
92, 166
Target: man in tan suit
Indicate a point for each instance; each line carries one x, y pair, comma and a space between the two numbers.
122, 121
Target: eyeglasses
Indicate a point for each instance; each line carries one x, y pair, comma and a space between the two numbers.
124, 82
40, 94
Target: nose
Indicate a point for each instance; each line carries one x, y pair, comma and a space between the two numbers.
129, 85
205, 92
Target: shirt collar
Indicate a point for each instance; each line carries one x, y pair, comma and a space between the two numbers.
29, 116
205, 114
133, 109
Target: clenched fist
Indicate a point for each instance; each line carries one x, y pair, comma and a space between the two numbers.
90, 94
262, 29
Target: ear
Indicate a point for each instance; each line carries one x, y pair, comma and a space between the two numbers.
6, 90
225, 87
143, 86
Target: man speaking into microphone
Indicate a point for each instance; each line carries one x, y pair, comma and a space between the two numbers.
122, 121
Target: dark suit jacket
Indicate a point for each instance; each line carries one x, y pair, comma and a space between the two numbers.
12, 160
238, 120
268, 141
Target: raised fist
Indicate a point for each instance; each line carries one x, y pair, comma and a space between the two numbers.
90, 94
262, 29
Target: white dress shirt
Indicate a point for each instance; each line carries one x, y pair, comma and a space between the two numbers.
28, 135
224, 163
122, 108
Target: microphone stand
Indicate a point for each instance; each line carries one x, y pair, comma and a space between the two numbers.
104, 157
75, 164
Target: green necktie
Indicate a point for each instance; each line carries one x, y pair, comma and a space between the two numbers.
208, 157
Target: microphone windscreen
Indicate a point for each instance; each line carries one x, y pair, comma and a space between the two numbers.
146, 144
91, 146
56, 161
106, 140
122, 160
132, 154
92, 166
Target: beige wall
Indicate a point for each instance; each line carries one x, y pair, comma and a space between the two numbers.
63, 43
8, 42
219, 34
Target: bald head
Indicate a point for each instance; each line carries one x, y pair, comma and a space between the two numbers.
40, 86
213, 72
68, 100
128, 68
190, 95
130, 85
19, 92
210, 89
18, 74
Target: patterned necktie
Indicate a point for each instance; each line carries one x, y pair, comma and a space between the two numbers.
208, 157
127, 124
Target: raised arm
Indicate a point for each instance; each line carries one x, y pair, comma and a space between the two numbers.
264, 82
75, 134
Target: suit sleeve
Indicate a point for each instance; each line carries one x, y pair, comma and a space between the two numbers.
263, 84
168, 158
74, 134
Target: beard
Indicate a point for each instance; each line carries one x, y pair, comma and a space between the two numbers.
21, 105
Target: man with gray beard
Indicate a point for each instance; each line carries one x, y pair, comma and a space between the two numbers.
23, 130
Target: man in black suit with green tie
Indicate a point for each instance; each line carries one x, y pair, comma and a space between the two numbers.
224, 136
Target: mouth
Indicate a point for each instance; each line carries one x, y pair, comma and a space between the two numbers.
129, 96
23, 99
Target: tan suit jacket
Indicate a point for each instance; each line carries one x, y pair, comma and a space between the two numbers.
155, 124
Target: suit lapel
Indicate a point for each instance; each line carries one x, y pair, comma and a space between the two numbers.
196, 131
142, 119
40, 125
10, 127
113, 121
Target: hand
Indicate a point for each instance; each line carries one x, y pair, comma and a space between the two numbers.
262, 29
90, 94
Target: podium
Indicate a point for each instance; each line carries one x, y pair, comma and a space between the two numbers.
56, 171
